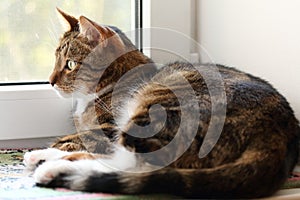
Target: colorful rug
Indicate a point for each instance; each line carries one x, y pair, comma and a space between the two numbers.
293, 181
16, 184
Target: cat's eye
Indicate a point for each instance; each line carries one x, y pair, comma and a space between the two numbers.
71, 64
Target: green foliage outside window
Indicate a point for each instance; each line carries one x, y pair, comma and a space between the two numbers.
30, 30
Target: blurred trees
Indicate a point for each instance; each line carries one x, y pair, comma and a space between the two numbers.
30, 29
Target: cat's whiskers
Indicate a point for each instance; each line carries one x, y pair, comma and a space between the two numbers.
53, 39
103, 105
79, 89
52, 35
51, 45
54, 30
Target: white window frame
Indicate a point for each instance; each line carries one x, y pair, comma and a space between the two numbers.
32, 114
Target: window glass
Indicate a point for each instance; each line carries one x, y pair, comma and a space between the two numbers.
30, 30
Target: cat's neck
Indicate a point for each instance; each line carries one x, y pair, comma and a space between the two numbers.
124, 64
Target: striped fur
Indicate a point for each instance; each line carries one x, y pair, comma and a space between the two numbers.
257, 149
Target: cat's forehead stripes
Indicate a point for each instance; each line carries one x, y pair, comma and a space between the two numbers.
65, 40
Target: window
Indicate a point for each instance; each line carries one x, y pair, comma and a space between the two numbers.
29, 33
30, 29
32, 114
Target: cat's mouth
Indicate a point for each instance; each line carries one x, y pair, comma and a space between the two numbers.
62, 93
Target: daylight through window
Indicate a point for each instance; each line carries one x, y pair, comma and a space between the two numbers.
30, 30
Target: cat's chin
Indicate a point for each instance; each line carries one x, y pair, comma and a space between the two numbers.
61, 93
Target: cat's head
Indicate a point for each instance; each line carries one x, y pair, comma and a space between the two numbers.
84, 52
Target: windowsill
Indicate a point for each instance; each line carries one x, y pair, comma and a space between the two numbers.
27, 143
25, 87
33, 111
43, 91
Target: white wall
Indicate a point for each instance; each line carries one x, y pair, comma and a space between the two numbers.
170, 26
258, 36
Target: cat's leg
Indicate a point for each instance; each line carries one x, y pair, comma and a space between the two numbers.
69, 143
34, 158
82, 156
73, 174
64, 173
97, 140
90, 144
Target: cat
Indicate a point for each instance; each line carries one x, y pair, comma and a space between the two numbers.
125, 115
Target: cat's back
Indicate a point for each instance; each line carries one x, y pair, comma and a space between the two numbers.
256, 114
246, 96
248, 93
242, 89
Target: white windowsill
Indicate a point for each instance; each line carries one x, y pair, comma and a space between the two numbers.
33, 111
14, 92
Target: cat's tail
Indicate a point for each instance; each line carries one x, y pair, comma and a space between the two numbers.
252, 175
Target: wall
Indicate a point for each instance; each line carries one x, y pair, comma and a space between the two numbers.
167, 29
258, 36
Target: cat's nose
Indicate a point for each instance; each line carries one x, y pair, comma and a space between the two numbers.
53, 78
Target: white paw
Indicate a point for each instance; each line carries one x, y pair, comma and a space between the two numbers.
71, 174
34, 158
50, 170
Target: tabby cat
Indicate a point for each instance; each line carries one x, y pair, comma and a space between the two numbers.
127, 110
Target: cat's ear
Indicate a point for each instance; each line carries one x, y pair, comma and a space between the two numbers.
96, 34
71, 23
100, 35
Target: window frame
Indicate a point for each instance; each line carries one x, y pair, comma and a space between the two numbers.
37, 100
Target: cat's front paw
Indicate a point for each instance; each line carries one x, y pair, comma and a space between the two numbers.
34, 158
69, 174
53, 170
